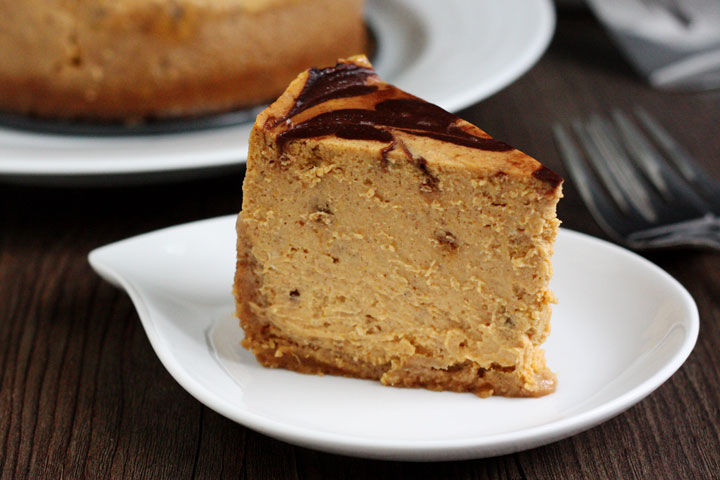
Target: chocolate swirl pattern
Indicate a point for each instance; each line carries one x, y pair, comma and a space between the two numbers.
376, 122
375, 111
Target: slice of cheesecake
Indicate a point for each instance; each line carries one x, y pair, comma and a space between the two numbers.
382, 237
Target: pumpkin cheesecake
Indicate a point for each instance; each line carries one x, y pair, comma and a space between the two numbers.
134, 59
384, 238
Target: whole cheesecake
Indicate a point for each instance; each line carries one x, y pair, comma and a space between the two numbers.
130, 59
384, 238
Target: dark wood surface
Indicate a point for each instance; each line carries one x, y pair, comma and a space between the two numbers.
82, 393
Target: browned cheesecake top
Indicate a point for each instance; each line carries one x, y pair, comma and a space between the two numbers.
350, 102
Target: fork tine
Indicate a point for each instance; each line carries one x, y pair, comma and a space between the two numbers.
640, 149
597, 201
682, 160
603, 171
625, 171
608, 158
670, 185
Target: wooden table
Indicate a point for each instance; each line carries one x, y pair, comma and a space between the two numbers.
83, 394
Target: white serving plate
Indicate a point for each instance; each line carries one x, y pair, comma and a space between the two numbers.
451, 52
623, 326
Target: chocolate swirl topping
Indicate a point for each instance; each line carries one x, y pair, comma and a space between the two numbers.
341, 81
405, 114
388, 109
409, 115
548, 176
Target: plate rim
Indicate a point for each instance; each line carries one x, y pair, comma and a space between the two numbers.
21, 165
412, 450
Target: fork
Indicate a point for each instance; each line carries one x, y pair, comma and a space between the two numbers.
634, 194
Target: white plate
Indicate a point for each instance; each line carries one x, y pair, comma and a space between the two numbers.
453, 53
622, 327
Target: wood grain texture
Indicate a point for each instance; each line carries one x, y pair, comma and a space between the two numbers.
82, 395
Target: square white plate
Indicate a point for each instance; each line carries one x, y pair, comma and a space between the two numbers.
622, 327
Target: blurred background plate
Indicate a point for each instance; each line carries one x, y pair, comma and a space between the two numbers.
452, 53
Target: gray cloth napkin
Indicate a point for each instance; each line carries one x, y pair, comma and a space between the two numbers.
673, 43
